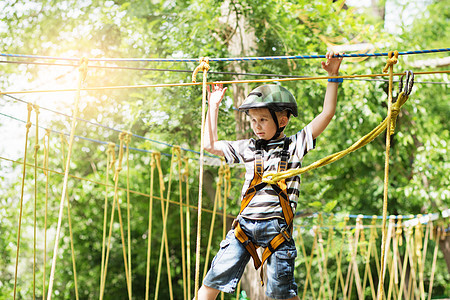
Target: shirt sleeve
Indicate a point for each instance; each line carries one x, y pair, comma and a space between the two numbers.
234, 151
304, 142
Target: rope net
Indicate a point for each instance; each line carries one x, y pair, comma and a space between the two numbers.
338, 258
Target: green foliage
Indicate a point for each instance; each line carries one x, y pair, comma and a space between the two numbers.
141, 29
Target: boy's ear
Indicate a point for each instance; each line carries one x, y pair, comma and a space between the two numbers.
283, 121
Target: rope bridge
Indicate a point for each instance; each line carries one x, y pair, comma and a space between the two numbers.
405, 265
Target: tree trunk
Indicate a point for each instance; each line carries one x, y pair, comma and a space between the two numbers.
379, 8
240, 42
240, 39
251, 282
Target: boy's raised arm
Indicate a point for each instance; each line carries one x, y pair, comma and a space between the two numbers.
215, 96
322, 120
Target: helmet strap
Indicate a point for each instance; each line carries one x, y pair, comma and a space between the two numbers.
279, 129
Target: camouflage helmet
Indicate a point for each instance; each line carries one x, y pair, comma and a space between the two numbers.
271, 96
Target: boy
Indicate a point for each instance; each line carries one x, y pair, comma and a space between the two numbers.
267, 211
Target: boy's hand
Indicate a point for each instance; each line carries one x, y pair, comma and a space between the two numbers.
215, 94
332, 64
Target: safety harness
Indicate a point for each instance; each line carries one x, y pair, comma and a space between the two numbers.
281, 190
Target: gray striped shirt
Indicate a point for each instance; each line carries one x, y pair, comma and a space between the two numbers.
265, 204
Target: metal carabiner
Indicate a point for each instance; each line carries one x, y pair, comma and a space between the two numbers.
409, 82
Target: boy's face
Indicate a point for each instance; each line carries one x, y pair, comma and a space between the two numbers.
262, 123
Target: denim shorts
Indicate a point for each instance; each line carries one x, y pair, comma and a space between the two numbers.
228, 265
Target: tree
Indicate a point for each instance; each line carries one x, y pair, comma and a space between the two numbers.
216, 29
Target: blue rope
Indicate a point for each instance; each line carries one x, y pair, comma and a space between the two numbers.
107, 127
81, 137
225, 59
395, 217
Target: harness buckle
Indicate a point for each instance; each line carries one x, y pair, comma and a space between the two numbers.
285, 235
233, 225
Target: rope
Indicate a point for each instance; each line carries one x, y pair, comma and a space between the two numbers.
69, 217
217, 199
203, 67
103, 184
127, 138
190, 71
215, 82
185, 177
110, 161
36, 149
103, 126
433, 267
150, 222
165, 213
45, 166
28, 125
122, 138
393, 58
224, 59
368, 270
308, 265
183, 246
340, 278
81, 78
272, 177
116, 199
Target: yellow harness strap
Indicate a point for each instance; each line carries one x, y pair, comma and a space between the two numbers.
281, 189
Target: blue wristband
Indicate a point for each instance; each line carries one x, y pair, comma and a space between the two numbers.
338, 80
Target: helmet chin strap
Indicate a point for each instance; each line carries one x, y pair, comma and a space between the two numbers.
279, 129
262, 144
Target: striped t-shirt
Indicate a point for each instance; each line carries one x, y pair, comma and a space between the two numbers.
265, 204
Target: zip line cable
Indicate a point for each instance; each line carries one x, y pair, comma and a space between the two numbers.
226, 59
215, 82
190, 71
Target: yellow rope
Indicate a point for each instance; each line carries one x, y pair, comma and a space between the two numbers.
215, 82
127, 139
36, 149
368, 270
122, 138
389, 65
213, 219
433, 267
70, 230
393, 264
226, 191
327, 251
274, 177
150, 222
340, 278
322, 268
103, 184
181, 204
418, 252
45, 166
308, 266
165, 213
110, 161
28, 125
81, 79
402, 288
354, 263
204, 65
115, 200
204, 68
188, 226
